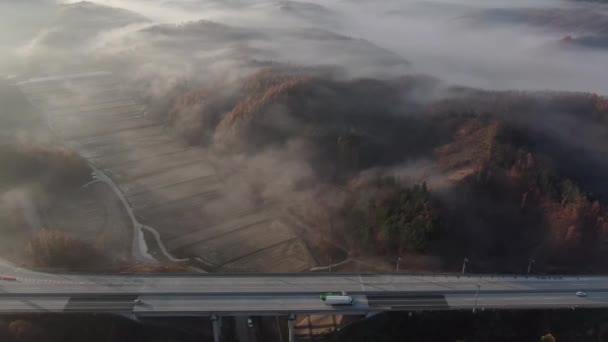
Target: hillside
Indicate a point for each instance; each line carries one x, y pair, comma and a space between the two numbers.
310, 119
48, 218
71, 31
76, 23
400, 163
207, 47
575, 20
89, 35
593, 42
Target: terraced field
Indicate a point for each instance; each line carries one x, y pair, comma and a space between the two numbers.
167, 183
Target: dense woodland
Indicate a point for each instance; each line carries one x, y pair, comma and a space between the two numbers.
502, 182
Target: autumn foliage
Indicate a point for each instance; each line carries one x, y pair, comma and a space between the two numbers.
51, 167
55, 249
503, 187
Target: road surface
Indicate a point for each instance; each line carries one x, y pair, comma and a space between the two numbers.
291, 293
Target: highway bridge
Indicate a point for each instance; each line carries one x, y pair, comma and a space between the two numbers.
281, 294
24, 291
216, 295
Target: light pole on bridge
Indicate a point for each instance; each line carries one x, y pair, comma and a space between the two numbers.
530, 265
464, 265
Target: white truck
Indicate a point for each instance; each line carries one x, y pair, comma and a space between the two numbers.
331, 298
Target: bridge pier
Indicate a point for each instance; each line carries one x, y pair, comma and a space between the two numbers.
216, 321
290, 326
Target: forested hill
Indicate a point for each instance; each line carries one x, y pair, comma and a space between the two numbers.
420, 167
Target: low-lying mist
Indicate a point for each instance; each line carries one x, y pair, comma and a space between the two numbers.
514, 45
442, 127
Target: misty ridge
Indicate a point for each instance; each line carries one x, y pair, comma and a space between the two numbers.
432, 129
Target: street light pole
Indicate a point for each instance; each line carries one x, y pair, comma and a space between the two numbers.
530, 265
464, 265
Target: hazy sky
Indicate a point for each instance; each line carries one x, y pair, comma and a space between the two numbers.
444, 38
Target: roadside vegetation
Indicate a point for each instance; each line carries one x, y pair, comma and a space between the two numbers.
160, 267
52, 168
35, 172
488, 325
531, 325
57, 251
